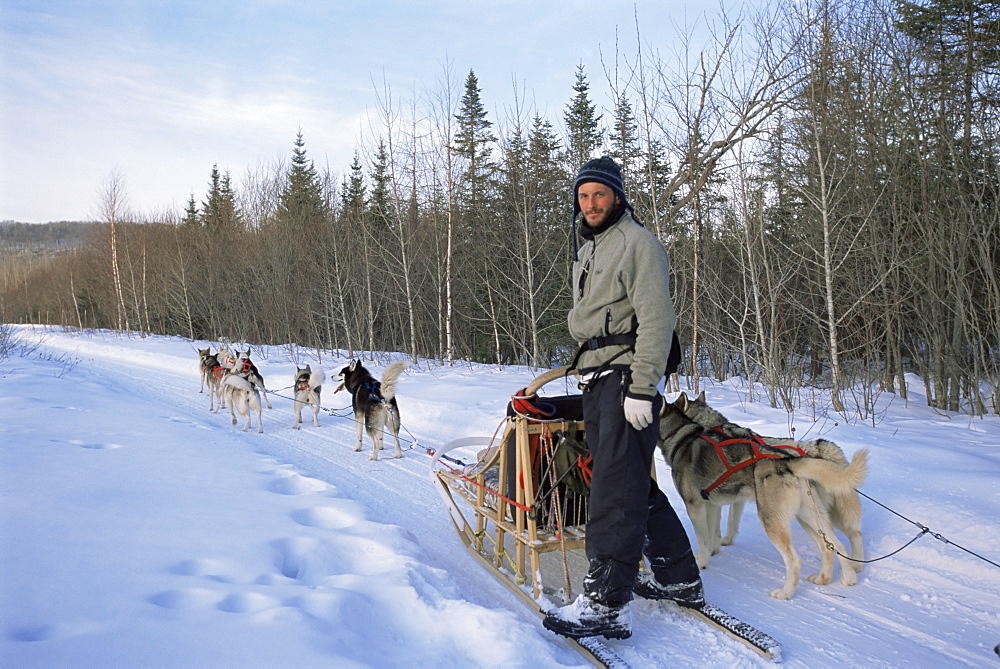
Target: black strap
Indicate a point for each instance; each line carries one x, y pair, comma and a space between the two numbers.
595, 343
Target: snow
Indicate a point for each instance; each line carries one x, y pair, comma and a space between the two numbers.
138, 529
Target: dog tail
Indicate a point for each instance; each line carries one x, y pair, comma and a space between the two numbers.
389, 378
317, 378
831, 476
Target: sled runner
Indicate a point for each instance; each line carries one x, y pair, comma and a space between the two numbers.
519, 503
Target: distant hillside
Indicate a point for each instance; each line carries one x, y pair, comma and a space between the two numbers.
41, 238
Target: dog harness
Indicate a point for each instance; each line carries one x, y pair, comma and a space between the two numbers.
754, 442
374, 389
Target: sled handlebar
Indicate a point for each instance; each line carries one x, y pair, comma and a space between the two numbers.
548, 376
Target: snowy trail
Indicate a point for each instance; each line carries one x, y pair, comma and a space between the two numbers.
930, 606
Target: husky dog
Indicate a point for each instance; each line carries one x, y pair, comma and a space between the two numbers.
308, 385
845, 507
226, 358
204, 371
374, 402
806, 488
242, 395
212, 376
699, 411
243, 365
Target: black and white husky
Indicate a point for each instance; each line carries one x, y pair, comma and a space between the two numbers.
308, 384
374, 402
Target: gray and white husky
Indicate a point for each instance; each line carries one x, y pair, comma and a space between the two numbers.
243, 365
374, 402
204, 370
308, 385
213, 373
817, 489
242, 395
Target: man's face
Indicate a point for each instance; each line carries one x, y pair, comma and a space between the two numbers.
596, 202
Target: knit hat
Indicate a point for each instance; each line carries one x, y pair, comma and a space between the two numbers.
602, 170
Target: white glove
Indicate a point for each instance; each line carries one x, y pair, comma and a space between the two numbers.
638, 412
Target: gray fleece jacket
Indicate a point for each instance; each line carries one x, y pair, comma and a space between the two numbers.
622, 278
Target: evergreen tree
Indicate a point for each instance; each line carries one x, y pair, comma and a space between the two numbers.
624, 140
582, 123
191, 218
961, 40
473, 142
353, 191
302, 203
380, 200
211, 208
553, 182
218, 212
228, 213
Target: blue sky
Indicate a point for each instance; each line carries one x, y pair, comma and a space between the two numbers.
160, 91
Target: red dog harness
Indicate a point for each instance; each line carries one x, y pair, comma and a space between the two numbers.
755, 442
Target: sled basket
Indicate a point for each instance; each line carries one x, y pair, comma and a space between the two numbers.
522, 507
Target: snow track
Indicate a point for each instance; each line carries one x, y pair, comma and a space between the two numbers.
932, 605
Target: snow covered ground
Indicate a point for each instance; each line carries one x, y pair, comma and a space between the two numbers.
138, 529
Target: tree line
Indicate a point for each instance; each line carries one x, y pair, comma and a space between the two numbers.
824, 175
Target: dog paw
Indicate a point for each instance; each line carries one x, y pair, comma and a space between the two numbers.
780, 594
295, 426
819, 579
849, 578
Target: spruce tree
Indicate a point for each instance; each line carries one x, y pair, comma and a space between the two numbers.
582, 123
211, 208
473, 142
624, 139
191, 217
352, 192
380, 200
302, 203
219, 212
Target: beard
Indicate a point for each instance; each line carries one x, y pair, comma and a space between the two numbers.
611, 216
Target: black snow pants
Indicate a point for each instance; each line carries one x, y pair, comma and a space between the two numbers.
629, 514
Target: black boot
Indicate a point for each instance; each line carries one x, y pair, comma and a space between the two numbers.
689, 595
587, 617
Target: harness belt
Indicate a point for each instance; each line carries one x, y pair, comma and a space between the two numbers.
595, 343
755, 442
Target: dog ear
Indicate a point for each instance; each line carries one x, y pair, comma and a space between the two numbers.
353, 365
701, 397
682, 402
308, 369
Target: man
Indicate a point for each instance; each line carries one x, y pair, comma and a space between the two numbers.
624, 317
